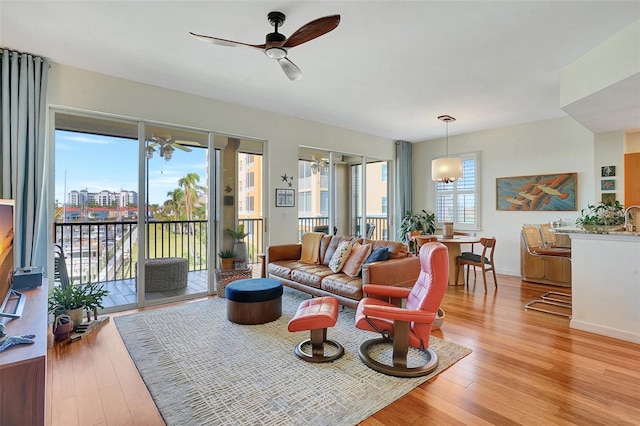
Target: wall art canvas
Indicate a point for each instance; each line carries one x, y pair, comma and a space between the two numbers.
607, 184
554, 192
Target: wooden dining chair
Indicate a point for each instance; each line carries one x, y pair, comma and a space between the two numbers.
483, 261
419, 240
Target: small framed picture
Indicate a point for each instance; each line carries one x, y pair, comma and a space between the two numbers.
608, 197
607, 184
285, 197
608, 171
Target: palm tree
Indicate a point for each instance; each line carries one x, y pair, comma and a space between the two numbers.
173, 206
190, 186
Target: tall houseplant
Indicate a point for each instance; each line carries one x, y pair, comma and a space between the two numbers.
423, 222
239, 246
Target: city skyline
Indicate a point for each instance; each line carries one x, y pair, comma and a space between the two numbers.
98, 163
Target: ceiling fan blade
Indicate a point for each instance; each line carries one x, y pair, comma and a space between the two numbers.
224, 42
290, 69
312, 30
181, 147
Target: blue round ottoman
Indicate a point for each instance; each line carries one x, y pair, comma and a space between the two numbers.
254, 301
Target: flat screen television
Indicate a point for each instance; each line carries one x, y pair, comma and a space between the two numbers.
7, 223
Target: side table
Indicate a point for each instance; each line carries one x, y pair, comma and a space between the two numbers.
226, 276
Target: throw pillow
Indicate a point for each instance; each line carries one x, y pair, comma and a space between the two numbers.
380, 253
340, 256
359, 253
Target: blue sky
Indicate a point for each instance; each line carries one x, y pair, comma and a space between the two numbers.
97, 163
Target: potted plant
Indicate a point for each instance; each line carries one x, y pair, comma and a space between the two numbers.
602, 217
423, 222
72, 300
226, 258
239, 247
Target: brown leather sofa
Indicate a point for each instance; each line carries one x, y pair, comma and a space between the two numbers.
283, 263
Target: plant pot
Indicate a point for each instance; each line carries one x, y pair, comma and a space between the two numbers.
437, 323
76, 316
240, 255
226, 263
62, 327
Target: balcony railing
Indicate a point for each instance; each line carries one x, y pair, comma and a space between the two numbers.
380, 232
108, 251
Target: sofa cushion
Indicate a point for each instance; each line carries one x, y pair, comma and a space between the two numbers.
332, 246
340, 256
397, 249
359, 253
310, 275
283, 268
378, 254
343, 285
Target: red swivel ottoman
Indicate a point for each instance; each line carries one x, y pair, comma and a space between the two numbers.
317, 315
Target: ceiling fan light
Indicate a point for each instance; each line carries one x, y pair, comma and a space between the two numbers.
448, 169
148, 152
275, 52
167, 152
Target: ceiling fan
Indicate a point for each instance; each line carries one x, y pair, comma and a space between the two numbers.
277, 44
318, 164
166, 145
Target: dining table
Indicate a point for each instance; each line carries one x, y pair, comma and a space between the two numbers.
453, 245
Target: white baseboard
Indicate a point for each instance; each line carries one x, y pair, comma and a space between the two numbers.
605, 331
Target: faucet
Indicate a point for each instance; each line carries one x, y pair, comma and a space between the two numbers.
627, 216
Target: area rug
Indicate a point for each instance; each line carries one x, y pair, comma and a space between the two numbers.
202, 369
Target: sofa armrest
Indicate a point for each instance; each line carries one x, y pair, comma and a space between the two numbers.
401, 272
284, 252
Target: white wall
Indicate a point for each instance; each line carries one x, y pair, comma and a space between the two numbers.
550, 146
608, 151
75, 88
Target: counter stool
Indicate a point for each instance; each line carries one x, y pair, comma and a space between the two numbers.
317, 315
254, 301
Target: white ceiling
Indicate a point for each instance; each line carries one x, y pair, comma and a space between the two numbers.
389, 69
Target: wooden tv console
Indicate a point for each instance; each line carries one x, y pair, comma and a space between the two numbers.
23, 367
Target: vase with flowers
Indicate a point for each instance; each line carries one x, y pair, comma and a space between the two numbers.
602, 217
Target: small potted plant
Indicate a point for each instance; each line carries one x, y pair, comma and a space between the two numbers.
226, 258
602, 217
73, 300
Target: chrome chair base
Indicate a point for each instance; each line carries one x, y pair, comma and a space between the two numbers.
399, 367
552, 299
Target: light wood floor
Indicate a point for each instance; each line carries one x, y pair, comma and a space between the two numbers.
526, 368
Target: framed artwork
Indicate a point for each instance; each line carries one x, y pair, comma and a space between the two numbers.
607, 184
608, 197
556, 192
607, 171
285, 197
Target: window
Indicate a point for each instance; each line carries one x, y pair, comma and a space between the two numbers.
250, 204
249, 182
457, 202
384, 208
383, 169
324, 203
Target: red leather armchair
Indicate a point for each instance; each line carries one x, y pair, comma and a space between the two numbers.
409, 325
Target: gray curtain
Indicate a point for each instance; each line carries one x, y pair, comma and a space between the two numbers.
23, 79
404, 181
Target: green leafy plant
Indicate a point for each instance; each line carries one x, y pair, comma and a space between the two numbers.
239, 233
423, 221
610, 213
226, 254
88, 297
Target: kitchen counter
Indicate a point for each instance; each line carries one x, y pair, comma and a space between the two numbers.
606, 282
